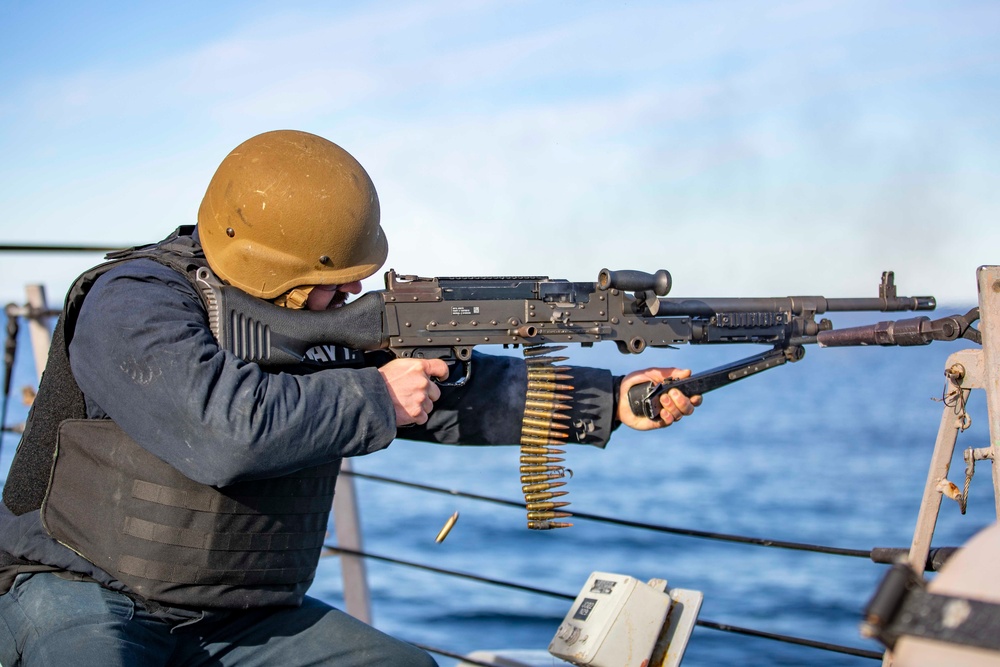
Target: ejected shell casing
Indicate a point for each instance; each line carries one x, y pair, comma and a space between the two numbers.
544, 486
545, 516
541, 477
548, 386
535, 440
541, 450
542, 433
546, 495
541, 362
547, 525
546, 406
546, 414
542, 349
538, 468
541, 507
541, 459
543, 423
448, 525
533, 395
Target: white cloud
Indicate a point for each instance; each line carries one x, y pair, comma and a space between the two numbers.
751, 147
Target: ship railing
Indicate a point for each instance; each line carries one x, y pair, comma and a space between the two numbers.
346, 552
349, 532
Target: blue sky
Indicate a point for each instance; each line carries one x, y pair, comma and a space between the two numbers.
751, 148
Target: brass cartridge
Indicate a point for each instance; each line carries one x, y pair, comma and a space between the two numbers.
540, 507
543, 433
546, 495
526, 449
544, 486
546, 414
541, 477
545, 516
535, 440
551, 375
544, 423
538, 468
547, 525
534, 395
542, 362
534, 385
540, 459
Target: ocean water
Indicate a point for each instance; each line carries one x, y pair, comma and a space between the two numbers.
832, 450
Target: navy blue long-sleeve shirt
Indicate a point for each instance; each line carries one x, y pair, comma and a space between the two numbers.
144, 356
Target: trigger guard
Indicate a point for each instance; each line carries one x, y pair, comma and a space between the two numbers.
460, 381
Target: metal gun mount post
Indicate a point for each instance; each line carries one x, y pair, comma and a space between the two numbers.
38, 325
37, 314
965, 370
347, 524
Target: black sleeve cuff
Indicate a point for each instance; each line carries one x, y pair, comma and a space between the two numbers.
593, 406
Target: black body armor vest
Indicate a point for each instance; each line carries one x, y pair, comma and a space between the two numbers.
169, 539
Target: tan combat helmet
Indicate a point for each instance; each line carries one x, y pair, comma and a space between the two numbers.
288, 209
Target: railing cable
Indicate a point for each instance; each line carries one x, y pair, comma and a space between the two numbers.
759, 541
330, 549
27, 247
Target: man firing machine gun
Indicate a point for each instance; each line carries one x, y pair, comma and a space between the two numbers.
170, 496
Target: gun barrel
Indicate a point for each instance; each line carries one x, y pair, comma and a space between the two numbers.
797, 305
884, 305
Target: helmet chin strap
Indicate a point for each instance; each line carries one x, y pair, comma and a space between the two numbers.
294, 298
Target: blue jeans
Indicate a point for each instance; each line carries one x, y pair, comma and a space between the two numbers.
46, 620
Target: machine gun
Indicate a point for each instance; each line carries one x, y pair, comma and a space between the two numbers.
445, 318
